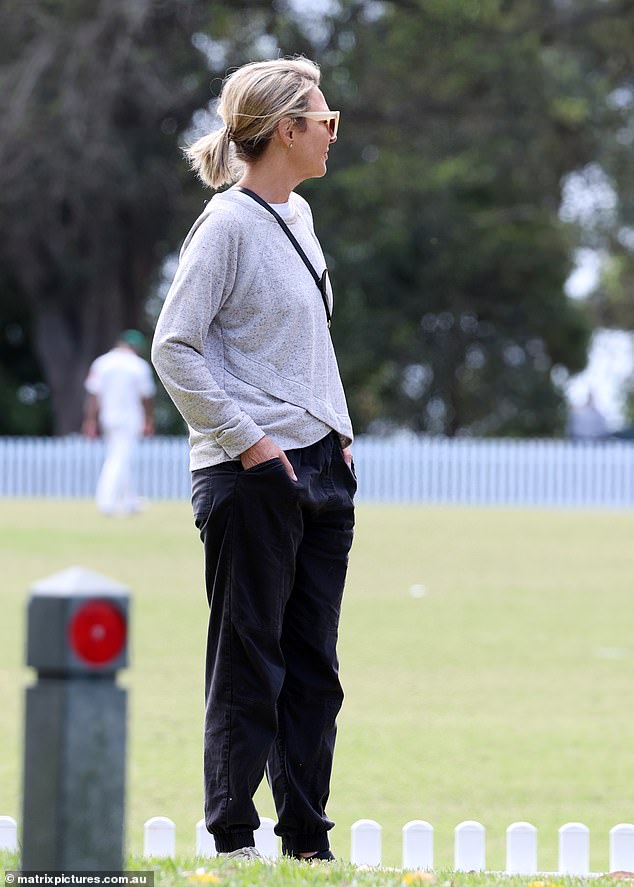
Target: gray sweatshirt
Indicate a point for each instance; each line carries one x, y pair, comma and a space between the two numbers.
242, 343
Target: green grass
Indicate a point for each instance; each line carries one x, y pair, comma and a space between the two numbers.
505, 693
197, 872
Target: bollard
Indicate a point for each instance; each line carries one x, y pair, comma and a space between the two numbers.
521, 849
75, 729
469, 847
205, 845
8, 833
159, 838
266, 841
418, 845
574, 849
365, 846
622, 847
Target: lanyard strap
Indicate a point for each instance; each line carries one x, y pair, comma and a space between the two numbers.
320, 281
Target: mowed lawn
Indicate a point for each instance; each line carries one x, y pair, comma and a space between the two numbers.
487, 657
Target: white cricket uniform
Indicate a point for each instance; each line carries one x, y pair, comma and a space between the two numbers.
121, 381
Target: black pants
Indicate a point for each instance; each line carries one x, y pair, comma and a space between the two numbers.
276, 554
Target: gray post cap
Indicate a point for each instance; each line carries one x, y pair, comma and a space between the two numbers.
78, 580
77, 624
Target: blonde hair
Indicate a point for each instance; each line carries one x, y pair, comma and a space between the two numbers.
253, 100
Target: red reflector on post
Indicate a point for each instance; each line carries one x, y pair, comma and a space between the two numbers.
97, 632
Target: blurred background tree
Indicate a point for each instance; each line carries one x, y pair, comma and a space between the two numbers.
442, 204
94, 100
462, 122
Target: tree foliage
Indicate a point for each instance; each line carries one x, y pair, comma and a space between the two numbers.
460, 121
94, 101
440, 213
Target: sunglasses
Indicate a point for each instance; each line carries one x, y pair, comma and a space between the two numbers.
330, 117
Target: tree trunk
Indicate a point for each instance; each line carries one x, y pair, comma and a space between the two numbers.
67, 342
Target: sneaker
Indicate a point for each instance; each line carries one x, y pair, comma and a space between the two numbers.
246, 853
320, 856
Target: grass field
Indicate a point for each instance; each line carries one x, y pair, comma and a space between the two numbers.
188, 872
504, 691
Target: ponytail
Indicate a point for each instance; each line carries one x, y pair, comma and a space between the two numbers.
210, 157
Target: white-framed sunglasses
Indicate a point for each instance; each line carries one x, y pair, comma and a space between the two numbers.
329, 117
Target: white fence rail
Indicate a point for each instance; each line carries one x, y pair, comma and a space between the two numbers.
418, 845
400, 469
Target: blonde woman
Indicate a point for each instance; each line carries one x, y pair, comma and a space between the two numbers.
243, 347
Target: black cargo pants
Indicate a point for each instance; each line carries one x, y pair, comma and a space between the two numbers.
276, 554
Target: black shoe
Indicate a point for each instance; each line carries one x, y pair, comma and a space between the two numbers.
320, 856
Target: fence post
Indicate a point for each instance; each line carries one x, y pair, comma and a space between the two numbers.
8, 833
205, 844
469, 851
74, 748
366, 843
266, 840
622, 848
159, 837
521, 849
574, 849
418, 845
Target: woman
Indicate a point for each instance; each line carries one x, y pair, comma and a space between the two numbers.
243, 347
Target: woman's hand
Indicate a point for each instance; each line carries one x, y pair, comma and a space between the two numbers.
347, 456
264, 450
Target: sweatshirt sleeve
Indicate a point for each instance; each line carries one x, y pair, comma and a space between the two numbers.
205, 278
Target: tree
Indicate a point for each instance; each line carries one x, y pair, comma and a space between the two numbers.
94, 101
25, 406
605, 219
440, 211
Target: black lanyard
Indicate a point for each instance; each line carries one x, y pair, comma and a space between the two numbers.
320, 281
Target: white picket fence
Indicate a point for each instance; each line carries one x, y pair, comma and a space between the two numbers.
395, 469
418, 845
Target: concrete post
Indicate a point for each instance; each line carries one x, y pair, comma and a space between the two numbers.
469, 847
521, 849
365, 846
574, 849
75, 731
418, 845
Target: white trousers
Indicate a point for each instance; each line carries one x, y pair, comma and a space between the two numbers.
115, 488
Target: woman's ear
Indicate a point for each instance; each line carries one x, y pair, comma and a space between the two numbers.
285, 130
